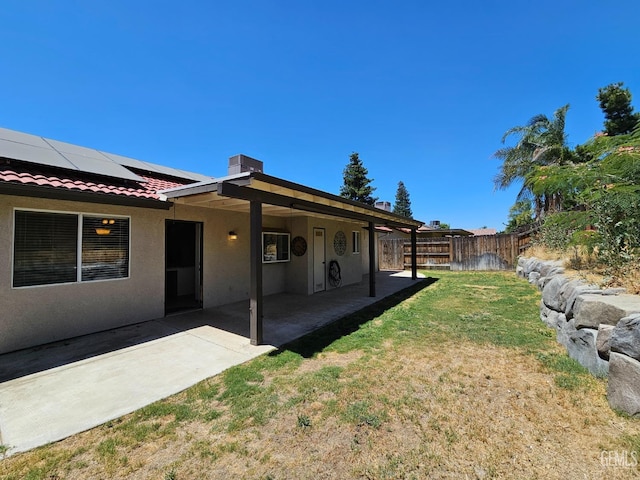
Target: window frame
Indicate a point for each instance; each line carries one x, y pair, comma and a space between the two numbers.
287, 243
80, 215
355, 240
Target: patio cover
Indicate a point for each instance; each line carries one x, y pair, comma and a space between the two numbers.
259, 193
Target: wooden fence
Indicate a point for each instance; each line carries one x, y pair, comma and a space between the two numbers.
485, 252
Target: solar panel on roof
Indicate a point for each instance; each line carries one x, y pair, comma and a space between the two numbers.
32, 153
100, 166
19, 137
152, 167
193, 176
92, 161
128, 162
38, 150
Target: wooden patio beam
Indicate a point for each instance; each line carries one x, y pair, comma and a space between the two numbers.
250, 194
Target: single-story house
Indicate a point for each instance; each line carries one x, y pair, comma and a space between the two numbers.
98, 241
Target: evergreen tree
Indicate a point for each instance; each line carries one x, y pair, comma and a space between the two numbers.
615, 102
356, 184
402, 206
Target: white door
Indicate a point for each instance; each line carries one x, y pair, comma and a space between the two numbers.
319, 261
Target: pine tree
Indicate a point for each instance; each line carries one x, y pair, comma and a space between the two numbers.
356, 184
402, 206
615, 102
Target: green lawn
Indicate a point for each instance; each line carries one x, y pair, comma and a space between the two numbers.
455, 377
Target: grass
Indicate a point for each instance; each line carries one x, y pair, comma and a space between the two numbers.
4, 449
457, 377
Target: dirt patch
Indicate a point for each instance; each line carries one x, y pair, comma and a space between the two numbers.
454, 411
461, 411
325, 359
481, 287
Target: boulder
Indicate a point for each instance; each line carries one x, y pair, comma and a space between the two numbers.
581, 346
572, 292
613, 291
550, 317
551, 293
623, 387
551, 268
542, 281
590, 310
521, 262
626, 337
564, 331
531, 265
533, 278
602, 340
544, 312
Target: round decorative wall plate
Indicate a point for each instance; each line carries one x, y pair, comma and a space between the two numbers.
298, 246
340, 242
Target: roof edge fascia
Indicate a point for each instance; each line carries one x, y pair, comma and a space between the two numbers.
205, 186
39, 191
330, 196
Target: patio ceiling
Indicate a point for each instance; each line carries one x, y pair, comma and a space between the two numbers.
279, 198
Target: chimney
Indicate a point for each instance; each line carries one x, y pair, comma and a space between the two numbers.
383, 205
241, 163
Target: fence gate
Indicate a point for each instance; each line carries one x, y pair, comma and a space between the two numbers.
391, 253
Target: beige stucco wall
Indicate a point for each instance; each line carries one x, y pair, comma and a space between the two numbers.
352, 266
35, 315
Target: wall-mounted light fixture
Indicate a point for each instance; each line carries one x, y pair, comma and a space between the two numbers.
105, 230
233, 235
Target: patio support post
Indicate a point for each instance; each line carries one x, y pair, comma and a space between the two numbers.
414, 255
372, 260
255, 302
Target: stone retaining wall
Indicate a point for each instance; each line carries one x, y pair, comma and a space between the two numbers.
600, 328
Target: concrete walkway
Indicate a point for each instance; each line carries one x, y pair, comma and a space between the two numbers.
50, 392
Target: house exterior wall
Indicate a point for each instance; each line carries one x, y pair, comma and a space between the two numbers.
41, 314
352, 265
298, 279
225, 262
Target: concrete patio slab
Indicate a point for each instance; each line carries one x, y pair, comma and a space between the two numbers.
50, 392
53, 404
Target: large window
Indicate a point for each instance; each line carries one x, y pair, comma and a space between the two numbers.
275, 247
46, 247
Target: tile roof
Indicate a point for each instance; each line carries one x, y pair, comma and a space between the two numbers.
18, 173
483, 231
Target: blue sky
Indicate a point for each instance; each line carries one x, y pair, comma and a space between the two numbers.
422, 90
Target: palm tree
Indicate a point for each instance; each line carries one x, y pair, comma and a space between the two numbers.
541, 142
